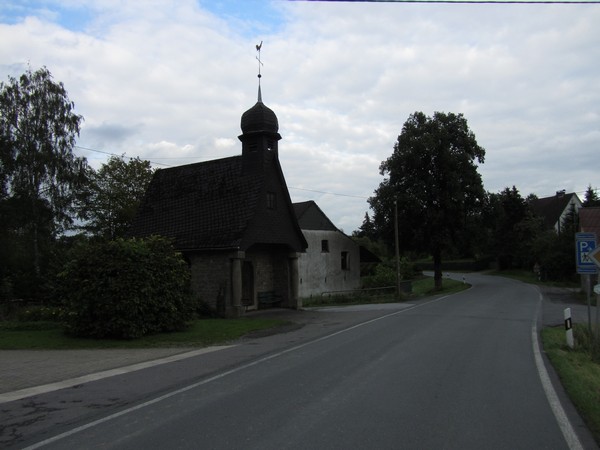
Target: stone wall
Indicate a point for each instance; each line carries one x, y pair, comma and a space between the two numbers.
211, 278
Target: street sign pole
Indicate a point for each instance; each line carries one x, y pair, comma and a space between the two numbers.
594, 256
585, 244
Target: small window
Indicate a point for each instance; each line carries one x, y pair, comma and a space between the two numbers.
345, 262
271, 200
324, 246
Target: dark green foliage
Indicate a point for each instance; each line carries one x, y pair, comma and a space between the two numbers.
432, 177
110, 200
384, 274
512, 229
39, 176
587, 341
591, 197
38, 313
555, 253
125, 289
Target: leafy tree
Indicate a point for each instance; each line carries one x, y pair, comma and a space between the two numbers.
367, 229
432, 177
554, 251
38, 171
590, 198
113, 195
512, 228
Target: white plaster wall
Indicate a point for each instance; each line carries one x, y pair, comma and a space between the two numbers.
322, 272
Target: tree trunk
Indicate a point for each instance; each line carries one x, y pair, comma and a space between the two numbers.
437, 269
36, 244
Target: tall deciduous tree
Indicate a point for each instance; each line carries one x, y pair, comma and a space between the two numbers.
38, 171
432, 176
113, 196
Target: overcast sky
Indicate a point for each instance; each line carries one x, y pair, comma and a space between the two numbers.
168, 81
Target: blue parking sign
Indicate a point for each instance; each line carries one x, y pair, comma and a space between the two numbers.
584, 244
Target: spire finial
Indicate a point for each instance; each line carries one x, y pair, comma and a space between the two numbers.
258, 47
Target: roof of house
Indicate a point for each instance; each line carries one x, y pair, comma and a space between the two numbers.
203, 205
551, 208
589, 220
222, 204
217, 205
310, 217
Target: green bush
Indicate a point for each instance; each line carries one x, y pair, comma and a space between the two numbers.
587, 341
40, 314
383, 276
125, 289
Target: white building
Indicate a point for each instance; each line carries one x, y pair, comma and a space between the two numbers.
332, 260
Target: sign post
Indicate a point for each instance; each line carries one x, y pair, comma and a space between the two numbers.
594, 256
585, 243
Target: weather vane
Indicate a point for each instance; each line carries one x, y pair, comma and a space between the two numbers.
258, 47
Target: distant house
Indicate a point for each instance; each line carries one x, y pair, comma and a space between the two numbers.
589, 222
233, 220
332, 260
553, 210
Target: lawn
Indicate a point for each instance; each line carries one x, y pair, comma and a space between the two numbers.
50, 335
421, 287
579, 374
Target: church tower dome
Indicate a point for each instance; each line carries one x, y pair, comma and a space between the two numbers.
260, 133
259, 118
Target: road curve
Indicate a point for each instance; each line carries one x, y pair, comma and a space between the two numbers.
455, 372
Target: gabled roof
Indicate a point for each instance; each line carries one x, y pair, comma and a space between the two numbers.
228, 203
203, 205
550, 209
218, 205
589, 220
310, 217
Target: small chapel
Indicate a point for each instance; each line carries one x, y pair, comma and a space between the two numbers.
233, 220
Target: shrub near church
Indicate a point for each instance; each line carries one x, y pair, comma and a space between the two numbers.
126, 289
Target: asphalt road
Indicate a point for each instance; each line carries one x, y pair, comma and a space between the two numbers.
455, 372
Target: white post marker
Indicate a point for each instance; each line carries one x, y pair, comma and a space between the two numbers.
569, 328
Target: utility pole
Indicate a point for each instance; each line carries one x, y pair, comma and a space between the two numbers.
398, 293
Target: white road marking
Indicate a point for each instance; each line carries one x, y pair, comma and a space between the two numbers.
559, 413
561, 417
110, 417
28, 392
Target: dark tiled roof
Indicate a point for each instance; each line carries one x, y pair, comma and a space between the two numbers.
551, 208
589, 220
219, 204
310, 217
203, 205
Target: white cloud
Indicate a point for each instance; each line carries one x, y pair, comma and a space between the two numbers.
169, 80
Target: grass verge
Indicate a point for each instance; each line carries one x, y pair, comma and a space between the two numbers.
50, 335
421, 287
528, 276
579, 375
